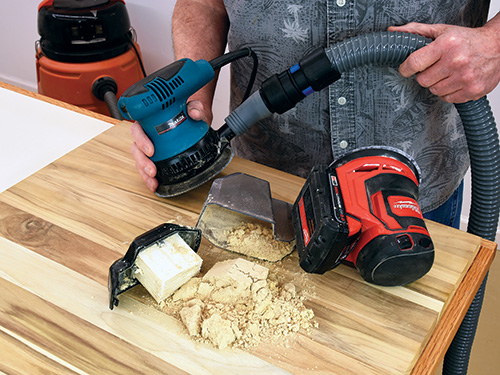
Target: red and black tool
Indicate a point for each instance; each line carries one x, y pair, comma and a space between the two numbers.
363, 209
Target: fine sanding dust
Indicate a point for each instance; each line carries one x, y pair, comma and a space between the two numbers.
257, 241
239, 304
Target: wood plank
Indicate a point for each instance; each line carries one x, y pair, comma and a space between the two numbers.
452, 317
19, 357
82, 303
55, 243
64, 343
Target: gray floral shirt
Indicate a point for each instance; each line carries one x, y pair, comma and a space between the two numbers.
368, 106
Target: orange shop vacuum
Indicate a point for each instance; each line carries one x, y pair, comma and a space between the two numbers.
87, 54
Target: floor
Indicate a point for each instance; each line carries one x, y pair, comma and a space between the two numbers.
485, 358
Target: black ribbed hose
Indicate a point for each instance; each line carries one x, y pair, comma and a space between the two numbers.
112, 103
482, 139
105, 89
387, 48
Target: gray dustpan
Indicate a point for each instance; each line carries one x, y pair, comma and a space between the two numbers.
240, 198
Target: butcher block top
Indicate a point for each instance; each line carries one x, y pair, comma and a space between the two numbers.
62, 227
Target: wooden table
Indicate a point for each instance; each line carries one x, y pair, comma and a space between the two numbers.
62, 227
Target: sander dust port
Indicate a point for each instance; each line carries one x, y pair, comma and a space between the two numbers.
87, 54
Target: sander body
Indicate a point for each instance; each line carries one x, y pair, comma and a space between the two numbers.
187, 152
363, 209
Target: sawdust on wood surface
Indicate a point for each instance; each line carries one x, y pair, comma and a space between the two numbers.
239, 304
257, 241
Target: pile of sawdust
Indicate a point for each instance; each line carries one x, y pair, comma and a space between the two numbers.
257, 241
239, 304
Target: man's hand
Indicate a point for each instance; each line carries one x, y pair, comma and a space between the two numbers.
461, 64
142, 148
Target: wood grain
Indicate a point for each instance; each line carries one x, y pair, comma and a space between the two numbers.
76, 345
67, 315
452, 317
61, 228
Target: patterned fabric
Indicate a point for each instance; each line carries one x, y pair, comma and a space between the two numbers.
368, 106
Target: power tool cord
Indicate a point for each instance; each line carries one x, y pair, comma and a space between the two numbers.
229, 57
107, 92
132, 38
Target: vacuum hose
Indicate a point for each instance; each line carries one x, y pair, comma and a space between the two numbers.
105, 89
322, 67
482, 139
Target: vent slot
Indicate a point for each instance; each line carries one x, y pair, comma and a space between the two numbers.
161, 88
168, 104
164, 90
196, 159
375, 166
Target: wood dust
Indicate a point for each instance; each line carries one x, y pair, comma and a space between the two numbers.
257, 241
239, 304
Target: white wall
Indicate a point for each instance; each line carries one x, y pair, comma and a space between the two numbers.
151, 20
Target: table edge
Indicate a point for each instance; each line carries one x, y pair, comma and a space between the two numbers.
454, 313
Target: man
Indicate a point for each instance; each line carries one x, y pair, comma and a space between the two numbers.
369, 106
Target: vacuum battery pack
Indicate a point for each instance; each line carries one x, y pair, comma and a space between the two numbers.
325, 235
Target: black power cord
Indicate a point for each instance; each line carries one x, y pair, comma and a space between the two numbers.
132, 43
229, 57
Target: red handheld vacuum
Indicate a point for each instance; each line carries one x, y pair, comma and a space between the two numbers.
363, 209
87, 55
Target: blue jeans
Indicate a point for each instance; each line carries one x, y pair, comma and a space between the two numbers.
449, 212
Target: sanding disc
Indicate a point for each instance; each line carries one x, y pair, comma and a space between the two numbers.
172, 190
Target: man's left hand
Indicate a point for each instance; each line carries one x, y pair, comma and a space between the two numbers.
461, 63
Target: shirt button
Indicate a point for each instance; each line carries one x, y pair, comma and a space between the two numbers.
343, 144
342, 100
341, 3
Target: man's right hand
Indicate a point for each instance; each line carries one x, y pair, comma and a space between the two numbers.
142, 148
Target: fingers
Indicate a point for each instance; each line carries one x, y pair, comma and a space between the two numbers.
459, 65
429, 31
425, 57
145, 167
141, 148
141, 139
421, 60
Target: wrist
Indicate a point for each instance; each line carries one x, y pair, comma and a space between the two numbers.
493, 29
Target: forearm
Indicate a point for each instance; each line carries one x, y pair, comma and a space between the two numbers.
199, 30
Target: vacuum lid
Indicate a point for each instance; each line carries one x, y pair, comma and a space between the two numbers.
83, 31
74, 4
79, 4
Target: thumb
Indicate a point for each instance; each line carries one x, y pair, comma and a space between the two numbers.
196, 110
